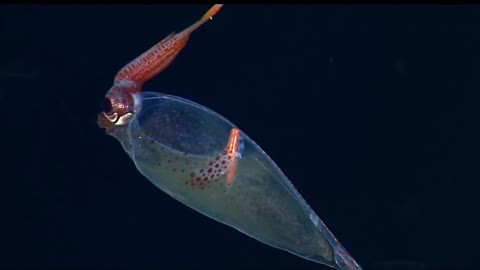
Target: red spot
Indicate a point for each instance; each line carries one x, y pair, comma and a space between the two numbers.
229, 157
210, 163
211, 176
223, 162
217, 157
205, 178
192, 175
209, 170
201, 187
198, 179
201, 170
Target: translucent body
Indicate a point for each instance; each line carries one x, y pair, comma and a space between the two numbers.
180, 147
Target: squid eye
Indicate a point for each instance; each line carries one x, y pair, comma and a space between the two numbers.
106, 105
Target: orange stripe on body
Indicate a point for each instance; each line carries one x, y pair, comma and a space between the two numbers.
231, 151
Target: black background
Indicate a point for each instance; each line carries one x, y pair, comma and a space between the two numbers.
372, 112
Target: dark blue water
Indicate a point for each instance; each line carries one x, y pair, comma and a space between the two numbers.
371, 111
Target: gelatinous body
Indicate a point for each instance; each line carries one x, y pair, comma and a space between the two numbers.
201, 159
185, 150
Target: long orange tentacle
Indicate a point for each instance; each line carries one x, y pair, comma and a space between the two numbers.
157, 58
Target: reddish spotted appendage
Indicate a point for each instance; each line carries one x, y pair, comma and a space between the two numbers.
162, 54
